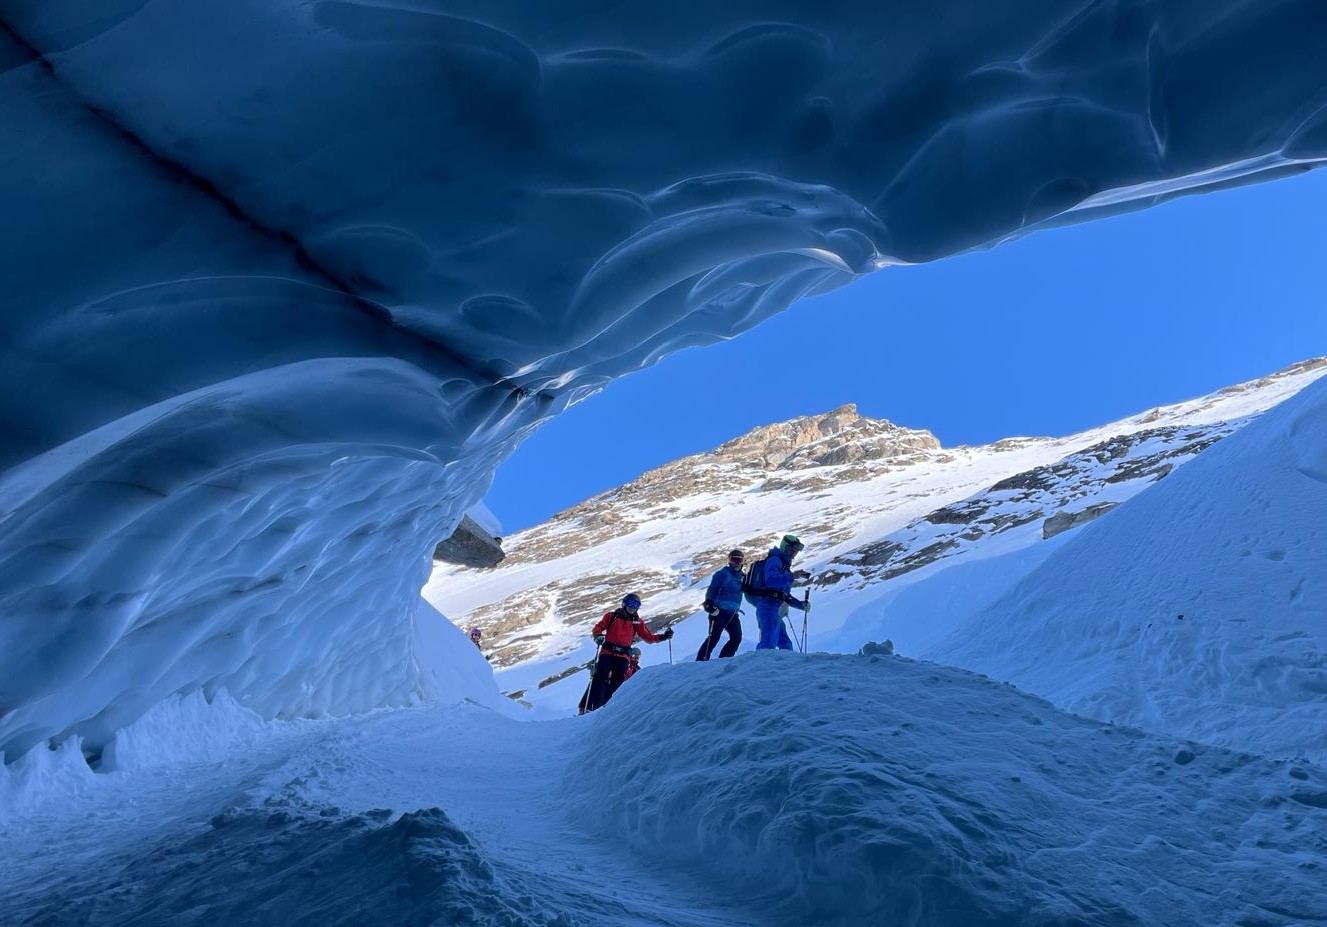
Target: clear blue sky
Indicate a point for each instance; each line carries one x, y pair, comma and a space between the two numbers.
1049, 335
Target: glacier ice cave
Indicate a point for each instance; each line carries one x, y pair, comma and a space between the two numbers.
283, 281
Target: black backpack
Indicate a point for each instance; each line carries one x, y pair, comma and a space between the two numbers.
753, 580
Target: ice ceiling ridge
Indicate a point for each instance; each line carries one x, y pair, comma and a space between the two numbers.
178, 172
285, 280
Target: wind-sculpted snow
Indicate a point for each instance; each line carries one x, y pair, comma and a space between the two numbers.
301, 869
846, 790
285, 281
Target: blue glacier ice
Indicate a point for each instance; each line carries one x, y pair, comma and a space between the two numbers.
284, 281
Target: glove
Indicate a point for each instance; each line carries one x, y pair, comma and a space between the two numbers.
599, 639
804, 604
710, 608
668, 634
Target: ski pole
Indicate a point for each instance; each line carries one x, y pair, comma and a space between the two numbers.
792, 632
584, 704
805, 613
709, 636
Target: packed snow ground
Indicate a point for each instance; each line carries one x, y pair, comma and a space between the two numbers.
772, 789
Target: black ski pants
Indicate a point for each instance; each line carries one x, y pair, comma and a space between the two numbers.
609, 673
721, 621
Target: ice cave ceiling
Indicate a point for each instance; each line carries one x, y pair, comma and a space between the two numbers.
283, 281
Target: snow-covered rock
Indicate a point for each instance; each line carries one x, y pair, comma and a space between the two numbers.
470, 544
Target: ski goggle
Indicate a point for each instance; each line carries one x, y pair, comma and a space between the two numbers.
631, 603
735, 559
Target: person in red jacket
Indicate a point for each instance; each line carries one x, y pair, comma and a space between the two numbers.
615, 633
633, 666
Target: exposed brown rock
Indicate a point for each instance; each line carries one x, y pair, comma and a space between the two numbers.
470, 545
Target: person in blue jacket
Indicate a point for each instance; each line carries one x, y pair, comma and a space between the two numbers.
774, 591
722, 601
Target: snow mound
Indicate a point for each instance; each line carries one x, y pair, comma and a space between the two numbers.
270, 329
300, 868
872, 789
1196, 609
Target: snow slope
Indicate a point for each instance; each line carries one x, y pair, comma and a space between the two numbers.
1196, 609
366, 263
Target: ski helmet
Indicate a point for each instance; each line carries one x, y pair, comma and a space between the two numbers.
631, 600
476, 633
790, 544
736, 555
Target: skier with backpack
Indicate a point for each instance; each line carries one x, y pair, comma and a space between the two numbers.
615, 633
723, 600
768, 586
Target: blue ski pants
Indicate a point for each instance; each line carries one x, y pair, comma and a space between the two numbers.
772, 632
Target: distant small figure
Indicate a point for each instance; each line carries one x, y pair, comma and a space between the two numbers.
615, 633
633, 663
768, 588
723, 601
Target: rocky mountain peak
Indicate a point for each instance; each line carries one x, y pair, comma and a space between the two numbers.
767, 458
839, 436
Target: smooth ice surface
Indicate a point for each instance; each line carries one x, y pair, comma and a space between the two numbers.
285, 280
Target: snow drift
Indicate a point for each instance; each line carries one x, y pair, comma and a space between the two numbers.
269, 329
840, 790
1196, 609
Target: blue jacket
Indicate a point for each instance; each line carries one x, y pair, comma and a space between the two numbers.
725, 589
779, 578
778, 572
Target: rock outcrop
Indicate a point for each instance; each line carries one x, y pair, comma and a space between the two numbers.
470, 545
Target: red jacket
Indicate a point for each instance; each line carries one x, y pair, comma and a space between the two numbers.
621, 629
